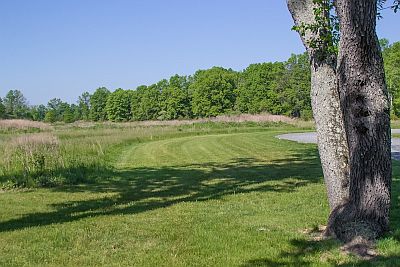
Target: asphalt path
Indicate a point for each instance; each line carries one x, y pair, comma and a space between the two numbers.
311, 138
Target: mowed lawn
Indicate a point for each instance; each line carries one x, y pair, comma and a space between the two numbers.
240, 199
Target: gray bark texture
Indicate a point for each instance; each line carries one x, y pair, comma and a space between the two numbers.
366, 109
332, 143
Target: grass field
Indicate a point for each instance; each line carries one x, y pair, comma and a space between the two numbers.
219, 194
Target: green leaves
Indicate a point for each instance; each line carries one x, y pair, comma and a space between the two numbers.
391, 56
50, 116
257, 90
118, 106
326, 28
98, 104
84, 106
326, 25
175, 100
213, 92
2, 109
15, 105
146, 101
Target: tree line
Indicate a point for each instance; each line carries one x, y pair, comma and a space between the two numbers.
278, 88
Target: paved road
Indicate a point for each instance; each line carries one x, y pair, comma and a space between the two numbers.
311, 137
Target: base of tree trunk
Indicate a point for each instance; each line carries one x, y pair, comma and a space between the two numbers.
358, 234
347, 224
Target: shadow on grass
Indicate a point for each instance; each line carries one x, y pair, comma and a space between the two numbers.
303, 251
143, 189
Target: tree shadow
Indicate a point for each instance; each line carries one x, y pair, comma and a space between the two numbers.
316, 249
144, 189
304, 250
301, 247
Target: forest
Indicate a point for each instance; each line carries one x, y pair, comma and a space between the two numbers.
281, 88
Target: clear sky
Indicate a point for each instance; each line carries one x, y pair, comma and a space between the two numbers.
61, 48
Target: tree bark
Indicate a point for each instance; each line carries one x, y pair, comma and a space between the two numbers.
327, 113
366, 109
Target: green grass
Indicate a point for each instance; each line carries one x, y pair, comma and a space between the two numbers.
87, 151
215, 195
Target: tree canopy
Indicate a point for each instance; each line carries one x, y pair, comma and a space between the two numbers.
212, 92
98, 102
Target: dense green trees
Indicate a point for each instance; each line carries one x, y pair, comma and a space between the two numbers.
391, 55
118, 106
2, 109
258, 89
212, 92
175, 100
146, 101
294, 87
276, 88
83, 110
57, 107
50, 116
68, 114
38, 113
15, 105
98, 103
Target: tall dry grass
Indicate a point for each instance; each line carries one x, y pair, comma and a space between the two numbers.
257, 118
31, 159
23, 125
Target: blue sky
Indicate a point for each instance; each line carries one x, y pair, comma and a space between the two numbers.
62, 48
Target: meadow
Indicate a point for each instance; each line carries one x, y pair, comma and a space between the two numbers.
210, 193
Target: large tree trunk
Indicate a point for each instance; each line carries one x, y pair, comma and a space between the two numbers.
328, 117
365, 105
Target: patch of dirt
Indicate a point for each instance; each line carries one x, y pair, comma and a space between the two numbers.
317, 233
360, 247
